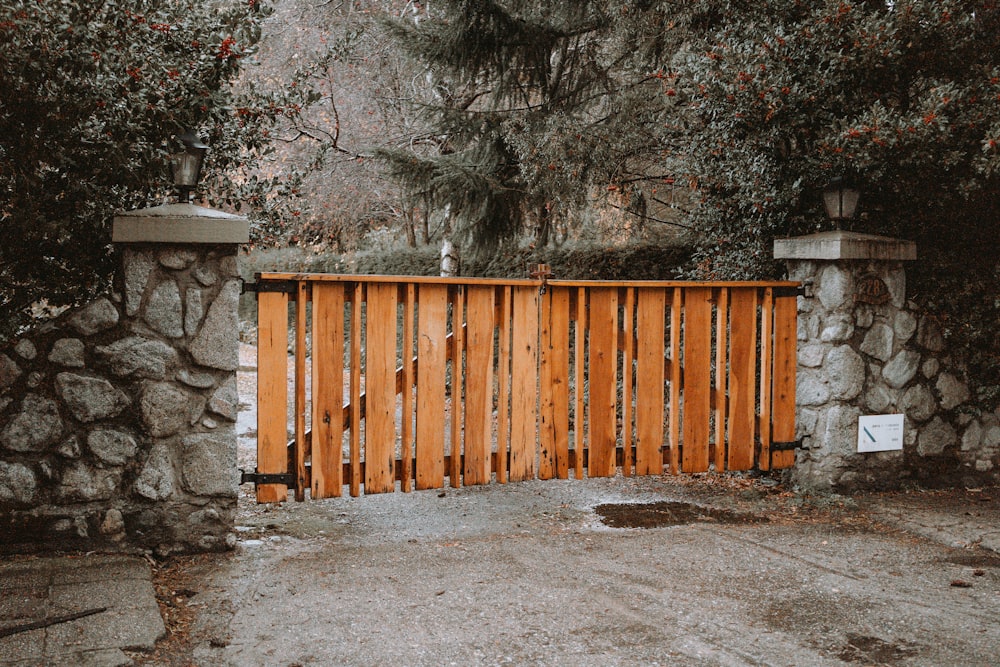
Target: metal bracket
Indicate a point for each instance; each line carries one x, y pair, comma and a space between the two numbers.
786, 446
286, 478
791, 291
283, 286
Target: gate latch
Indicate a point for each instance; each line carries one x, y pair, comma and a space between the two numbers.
258, 286
786, 446
286, 478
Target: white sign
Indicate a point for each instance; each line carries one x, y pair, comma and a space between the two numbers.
880, 433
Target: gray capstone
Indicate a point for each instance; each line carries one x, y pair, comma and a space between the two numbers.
878, 342
811, 356
95, 317
138, 266
217, 344
918, 403
112, 447
36, 427
17, 484
163, 310
68, 352
929, 335
901, 368
90, 398
138, 357
9, 372
193, 311
164, 407
904, 324
209, 464
845, 370
81, 482
225, 401
196, 380
953, 392
935, 437
177, 258
26, 349
156, 481
836, 287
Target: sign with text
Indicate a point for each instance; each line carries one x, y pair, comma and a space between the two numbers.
880, 433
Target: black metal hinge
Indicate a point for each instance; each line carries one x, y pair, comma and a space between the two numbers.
284, 286
790, 291
786, 446
286, 478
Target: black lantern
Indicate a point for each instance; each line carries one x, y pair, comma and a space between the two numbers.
187, 165
840, 198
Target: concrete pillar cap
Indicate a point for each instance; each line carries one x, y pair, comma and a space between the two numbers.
845, 245
179, 223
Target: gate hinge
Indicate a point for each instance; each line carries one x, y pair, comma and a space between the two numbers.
800, 290
256, 286
286, 478
786, 446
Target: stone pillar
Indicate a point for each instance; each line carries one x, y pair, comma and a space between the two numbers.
864, 349
117, 419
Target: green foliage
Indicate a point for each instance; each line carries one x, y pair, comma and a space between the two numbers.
93, 93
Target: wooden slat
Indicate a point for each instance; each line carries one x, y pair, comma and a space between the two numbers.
627, 344
559, 378
457, 383
721, 375
675, 379
406, 446
272, 392
327, 390
649, 403
524, 380
766, 359
301, 296
479, 385
503, 384
783, 395
603, 382
380, 388
546, 408
580, 368
697, 378
357, 298
432, 334
742, 378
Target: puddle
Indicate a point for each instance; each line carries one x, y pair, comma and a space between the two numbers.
668, 513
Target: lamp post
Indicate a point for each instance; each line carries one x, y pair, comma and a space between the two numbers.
840, 199
187, 165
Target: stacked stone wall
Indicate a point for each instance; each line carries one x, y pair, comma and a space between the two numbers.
858, 358
117, 419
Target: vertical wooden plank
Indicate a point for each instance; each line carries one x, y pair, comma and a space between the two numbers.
559, 378
721, 375
457, 383
603, 380
272, 392
503, 382
524, 382
479, 385
628, 356
432, 359
766, 370
675, 379
649, 403
380, 388
580, 366
301, 296
327, 389
406, 446
546, 408
783, 396
357, 300
697, 378
742, 377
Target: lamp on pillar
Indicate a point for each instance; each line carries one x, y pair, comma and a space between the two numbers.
187, 165
840, 198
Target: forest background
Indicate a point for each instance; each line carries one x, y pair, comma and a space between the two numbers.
629, 139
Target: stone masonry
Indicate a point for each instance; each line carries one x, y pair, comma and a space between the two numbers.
865, 349
117, 419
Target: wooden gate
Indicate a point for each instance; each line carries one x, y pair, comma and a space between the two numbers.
406, 382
